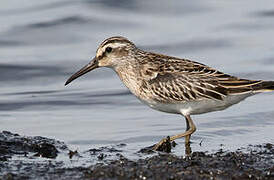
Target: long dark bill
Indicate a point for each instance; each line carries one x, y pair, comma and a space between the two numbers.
90, 66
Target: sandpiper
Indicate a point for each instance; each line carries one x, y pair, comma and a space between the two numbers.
172, 84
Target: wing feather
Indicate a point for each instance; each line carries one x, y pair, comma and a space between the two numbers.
184, 80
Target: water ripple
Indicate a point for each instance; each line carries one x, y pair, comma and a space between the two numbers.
10, 72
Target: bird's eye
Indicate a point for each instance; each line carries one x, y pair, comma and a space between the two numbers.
108, 49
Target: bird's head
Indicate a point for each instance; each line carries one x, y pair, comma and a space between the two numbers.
111, 53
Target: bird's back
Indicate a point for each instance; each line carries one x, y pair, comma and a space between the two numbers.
161, 79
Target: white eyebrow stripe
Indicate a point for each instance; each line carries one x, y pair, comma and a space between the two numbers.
112, 45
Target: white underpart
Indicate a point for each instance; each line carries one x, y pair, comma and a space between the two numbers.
198, 107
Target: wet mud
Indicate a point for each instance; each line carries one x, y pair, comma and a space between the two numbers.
23, 157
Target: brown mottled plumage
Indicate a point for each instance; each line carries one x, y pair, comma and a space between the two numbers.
172, 84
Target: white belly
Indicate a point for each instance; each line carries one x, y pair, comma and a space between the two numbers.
197, 107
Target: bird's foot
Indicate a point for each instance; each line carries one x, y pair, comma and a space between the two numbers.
164, 145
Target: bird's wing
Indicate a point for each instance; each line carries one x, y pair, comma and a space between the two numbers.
185, 80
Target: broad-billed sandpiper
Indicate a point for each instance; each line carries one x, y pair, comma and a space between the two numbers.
172, 84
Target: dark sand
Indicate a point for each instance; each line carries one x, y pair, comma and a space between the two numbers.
253, 162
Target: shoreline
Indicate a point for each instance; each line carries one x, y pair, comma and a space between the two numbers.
256, 163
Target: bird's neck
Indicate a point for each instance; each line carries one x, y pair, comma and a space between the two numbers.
129, 76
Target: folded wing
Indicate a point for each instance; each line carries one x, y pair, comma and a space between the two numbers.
185, 80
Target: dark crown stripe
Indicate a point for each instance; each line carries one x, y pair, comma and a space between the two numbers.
115, 40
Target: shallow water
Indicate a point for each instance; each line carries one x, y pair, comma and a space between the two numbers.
43, 42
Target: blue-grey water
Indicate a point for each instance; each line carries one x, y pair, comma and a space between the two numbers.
42, 43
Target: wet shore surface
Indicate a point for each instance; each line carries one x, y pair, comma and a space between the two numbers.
25, 157
101, 125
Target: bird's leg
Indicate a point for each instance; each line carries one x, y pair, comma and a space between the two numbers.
187, 138
156, 146
187, 149
191, 128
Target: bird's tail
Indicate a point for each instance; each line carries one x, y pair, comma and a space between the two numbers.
263, 86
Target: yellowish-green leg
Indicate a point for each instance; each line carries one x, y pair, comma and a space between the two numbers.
187, 138
190, 128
